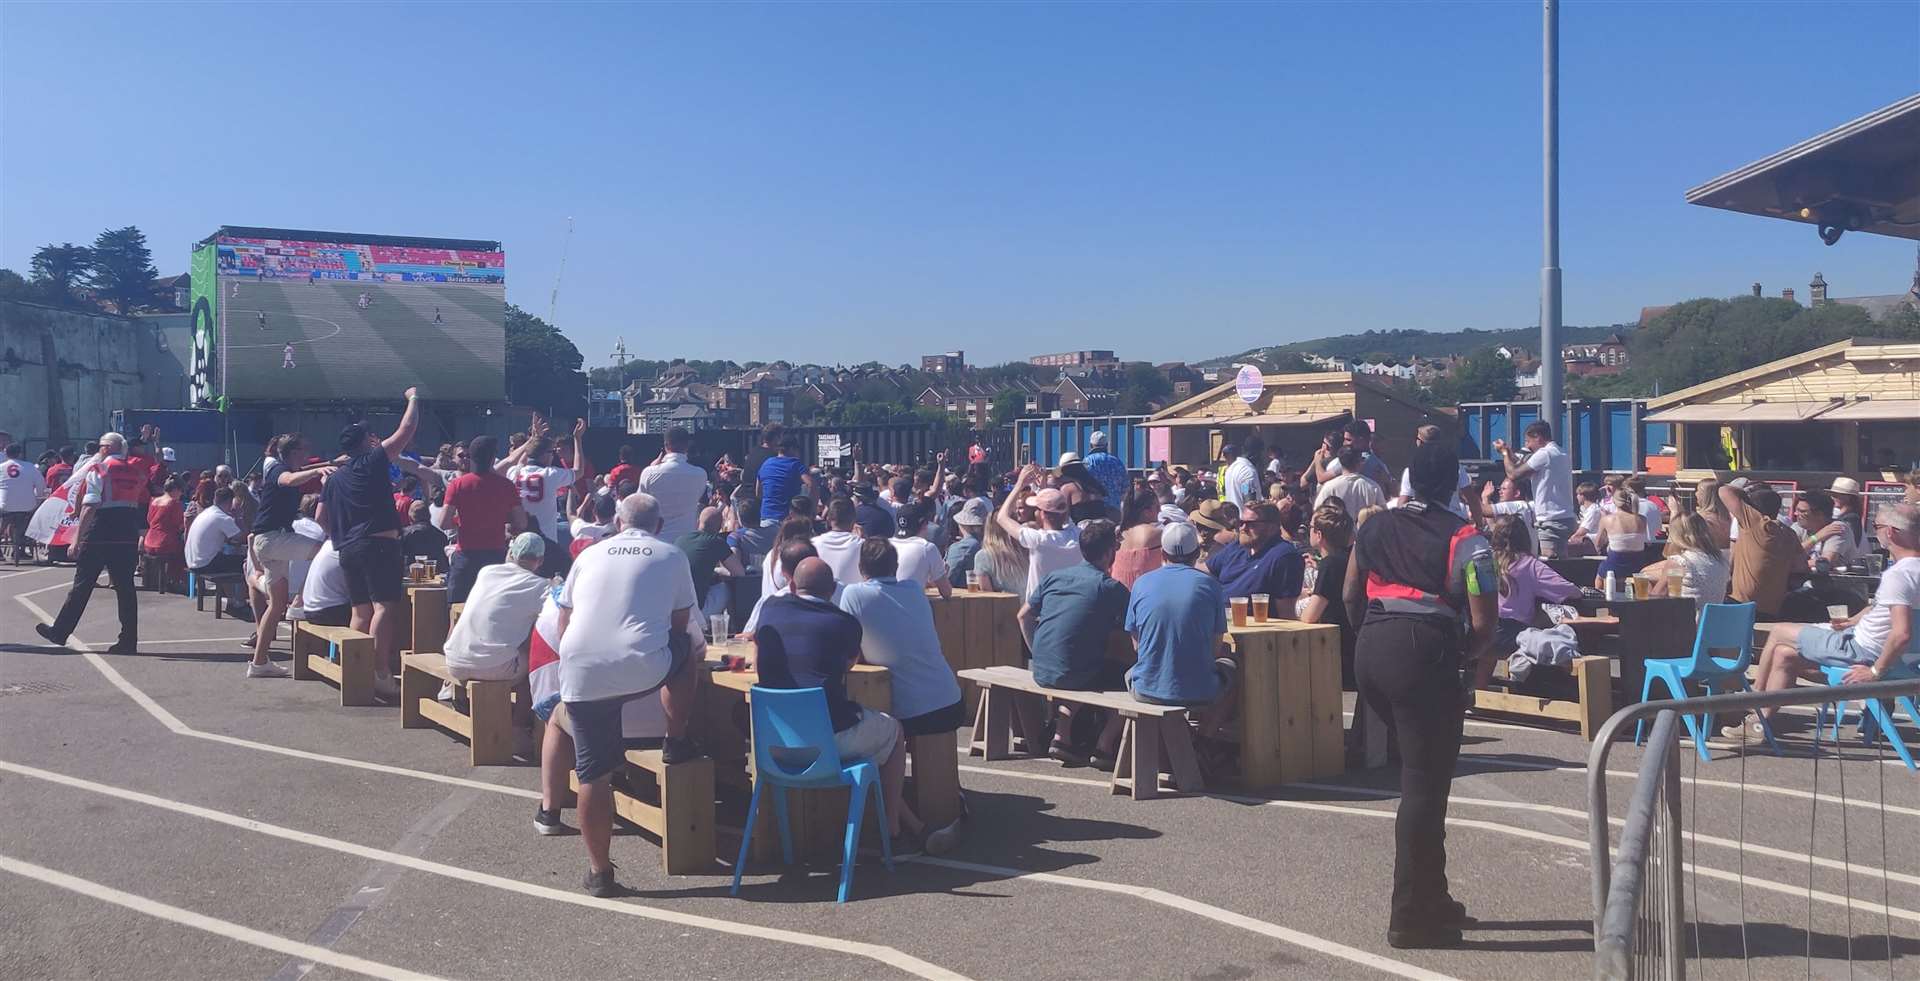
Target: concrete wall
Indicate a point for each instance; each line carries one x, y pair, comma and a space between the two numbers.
63, 372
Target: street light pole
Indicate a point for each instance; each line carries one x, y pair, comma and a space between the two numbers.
1550, 366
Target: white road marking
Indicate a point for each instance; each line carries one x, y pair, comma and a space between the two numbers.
884, 955
28, 572
198, 921
205, 640
1577, 844
1207, 911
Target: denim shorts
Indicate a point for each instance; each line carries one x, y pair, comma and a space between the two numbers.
1831, 648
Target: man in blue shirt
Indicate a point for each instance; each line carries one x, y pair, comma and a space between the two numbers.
1107, 469
1071, 613
972, 522
1177, 616
779, 480
1261, 562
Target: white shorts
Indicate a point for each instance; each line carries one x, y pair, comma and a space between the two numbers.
274, 552
871, 739
512, 670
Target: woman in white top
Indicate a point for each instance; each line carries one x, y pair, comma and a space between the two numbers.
1692, 555
1622, 538
1002, 561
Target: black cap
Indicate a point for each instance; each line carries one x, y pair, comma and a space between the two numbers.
353, 437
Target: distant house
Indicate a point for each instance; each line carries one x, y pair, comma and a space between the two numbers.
974, 402
1182, 378
1085, 394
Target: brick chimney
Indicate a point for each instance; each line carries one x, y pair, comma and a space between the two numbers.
1756, 289
1787, 294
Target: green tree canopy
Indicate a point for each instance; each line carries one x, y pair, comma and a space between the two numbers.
60, 271
1141, 389
123, 271
543, 367
1483, 376
1008, 404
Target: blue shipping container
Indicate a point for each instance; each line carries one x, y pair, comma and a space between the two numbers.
1044, 440
1599, 433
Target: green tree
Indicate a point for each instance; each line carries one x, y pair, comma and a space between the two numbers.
1141, 389
1483, 376
543, 367
1008, 404
123, 272
14, 286
60, 272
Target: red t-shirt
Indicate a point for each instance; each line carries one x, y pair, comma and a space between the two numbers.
482, 502
58, 474
166, 522
403, 503
623, 472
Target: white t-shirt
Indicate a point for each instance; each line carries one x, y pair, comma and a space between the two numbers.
497, 619
1899, 586
1048, 549
1456, 505
840, 550
21, 485
543, 491
1590, 516
1353, 490
677, 485
211, 530
326, 582
1552, 472
919, 562
310, 530
623, 591
1703, 578
1842, 549
1522, 508
1243, 486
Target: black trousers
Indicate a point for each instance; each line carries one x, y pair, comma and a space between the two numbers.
119, 561
1408, 670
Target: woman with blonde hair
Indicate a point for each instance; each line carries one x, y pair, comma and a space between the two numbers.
1706, 504
1693, 556
1622, 539
1001, 561
1525, 583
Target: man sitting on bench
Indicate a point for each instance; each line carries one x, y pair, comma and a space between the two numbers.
323, 594
1177, 616
1071, 614
490, 641
209, 548
896, 623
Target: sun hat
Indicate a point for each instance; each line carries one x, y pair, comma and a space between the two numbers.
1844, 485
1049, 500
1213, 514
1069, 457
1171, 514
974, 513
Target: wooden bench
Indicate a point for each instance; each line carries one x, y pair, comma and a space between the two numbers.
674, 803
933, 786
432, 619
220, 586
487, 724
1155, 738
341, 655
1593, 674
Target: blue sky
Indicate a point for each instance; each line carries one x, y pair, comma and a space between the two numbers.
854, 181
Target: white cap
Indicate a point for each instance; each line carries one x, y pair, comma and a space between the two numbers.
1179, 540
166, 453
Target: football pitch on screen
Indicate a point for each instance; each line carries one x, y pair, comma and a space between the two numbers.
331, 339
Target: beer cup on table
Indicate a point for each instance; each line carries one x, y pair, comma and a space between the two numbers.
1239, 606
973, 581
1836, 616
1260, 607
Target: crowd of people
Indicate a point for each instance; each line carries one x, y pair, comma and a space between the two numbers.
598, 594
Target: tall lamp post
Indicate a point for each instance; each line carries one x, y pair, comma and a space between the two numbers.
1550, 367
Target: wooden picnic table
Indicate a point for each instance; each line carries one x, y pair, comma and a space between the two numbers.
978, 630
818, 817
1656, 627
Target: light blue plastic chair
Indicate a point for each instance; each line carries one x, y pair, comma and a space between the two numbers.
1723, 626
793, 747
1874, 717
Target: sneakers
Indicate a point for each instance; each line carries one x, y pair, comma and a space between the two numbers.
123, 649
680, 749
385, 688
941, 840
547, 822
446, 692
1749, 730
1228, 670
600, 885
46, 632
1066, 754
1102, 761
267, 670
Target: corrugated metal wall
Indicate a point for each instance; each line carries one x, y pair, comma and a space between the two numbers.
1044, 440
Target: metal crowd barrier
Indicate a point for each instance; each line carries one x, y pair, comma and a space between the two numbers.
1640, 918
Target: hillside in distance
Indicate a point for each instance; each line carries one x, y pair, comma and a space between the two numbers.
1400, 345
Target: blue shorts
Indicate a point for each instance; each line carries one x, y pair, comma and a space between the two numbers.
1831, 648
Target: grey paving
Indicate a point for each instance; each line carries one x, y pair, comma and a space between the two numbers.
1315, 860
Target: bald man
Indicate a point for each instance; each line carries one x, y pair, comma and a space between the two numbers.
804, 641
